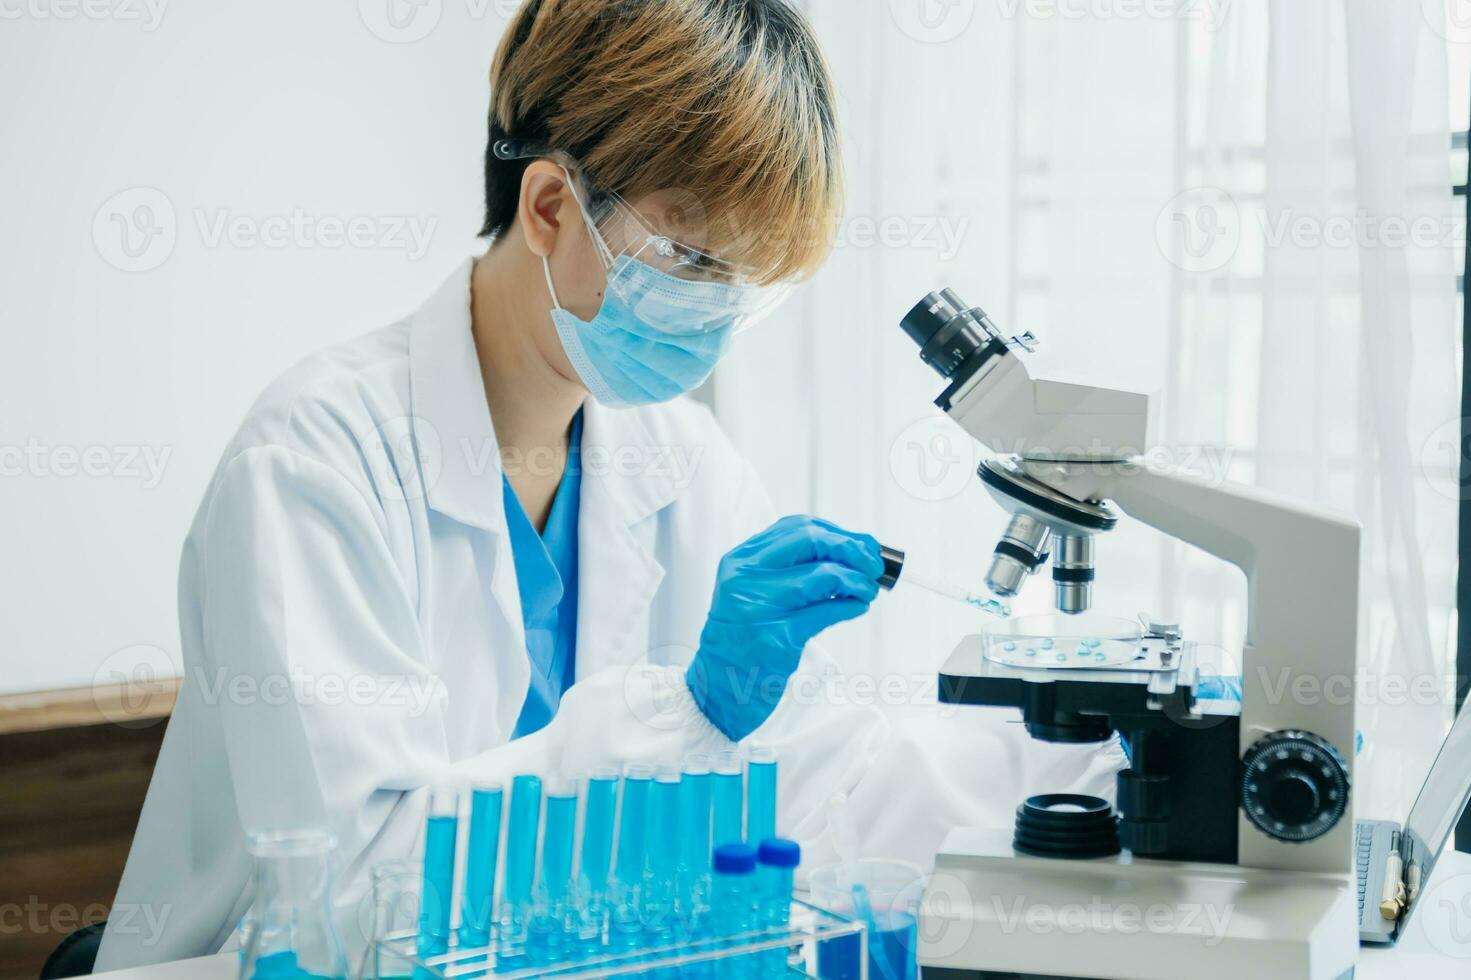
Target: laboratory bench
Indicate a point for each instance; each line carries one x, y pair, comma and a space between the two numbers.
1414, 956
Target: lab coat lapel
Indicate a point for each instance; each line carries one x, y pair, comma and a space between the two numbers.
456, 443
618, 571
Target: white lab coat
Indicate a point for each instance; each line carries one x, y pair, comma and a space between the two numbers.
352, 633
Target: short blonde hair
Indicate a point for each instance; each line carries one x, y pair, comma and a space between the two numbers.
728, 100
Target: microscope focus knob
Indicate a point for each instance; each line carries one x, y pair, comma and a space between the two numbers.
1294, 786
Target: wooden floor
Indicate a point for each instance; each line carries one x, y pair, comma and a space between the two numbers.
69, 802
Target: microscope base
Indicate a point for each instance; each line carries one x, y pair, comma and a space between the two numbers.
991, 912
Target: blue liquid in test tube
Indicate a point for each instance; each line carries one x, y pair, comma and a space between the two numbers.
625, 925
597, 857
728, 795
733, 910
551, 915
761, 797
776, 864
520, 870
694, 840
477, 911
435, 904
662, 859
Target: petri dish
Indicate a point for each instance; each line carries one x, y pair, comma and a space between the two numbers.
1054, 641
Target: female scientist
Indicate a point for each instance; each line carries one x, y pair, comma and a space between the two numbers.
488, 536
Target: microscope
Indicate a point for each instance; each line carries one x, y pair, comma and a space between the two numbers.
1231, 853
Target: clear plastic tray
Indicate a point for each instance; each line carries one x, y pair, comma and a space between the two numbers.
1054, 641
817, 944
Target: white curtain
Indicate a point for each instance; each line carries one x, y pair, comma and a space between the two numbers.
1244, 207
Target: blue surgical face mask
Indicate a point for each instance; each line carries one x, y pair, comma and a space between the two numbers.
638, 349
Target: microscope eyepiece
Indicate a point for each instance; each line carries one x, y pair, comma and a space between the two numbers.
950, 333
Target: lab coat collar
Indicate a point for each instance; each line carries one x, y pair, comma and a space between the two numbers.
621, 459
625, 472
451, 418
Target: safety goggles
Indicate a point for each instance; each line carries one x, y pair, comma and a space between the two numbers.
677, 287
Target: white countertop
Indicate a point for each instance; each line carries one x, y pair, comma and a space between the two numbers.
1437, 946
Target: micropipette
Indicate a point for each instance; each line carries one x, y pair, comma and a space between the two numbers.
896, 570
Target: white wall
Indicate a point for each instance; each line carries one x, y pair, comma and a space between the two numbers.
266, 114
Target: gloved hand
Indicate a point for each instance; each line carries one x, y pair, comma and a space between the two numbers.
773, 594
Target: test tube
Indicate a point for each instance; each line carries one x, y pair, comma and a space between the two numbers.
477, 910
777, 859
435, 904
520, 868
546, 932
776, 864
733, 913
597, 854
662, 861
761, 796
557, 840
694, 836
728, 797
625, 926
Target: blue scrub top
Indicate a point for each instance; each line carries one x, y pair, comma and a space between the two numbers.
546, 573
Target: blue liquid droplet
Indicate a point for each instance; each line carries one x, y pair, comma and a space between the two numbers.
1031, 652
1008, 647
1099, 657
1047, 644
1061, 657
1092, 643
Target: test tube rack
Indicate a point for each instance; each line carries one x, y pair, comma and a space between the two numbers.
652, 907
739, 956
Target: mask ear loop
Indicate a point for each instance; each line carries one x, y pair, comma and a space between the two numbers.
605, 253
597, 239
546, 265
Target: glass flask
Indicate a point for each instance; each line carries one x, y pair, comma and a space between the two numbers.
289, 931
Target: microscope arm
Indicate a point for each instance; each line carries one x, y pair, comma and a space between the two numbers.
1302, 575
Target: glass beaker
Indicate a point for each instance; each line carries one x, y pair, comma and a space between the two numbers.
290, 934
885, 896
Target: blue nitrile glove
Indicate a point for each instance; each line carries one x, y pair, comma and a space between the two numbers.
773, 594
